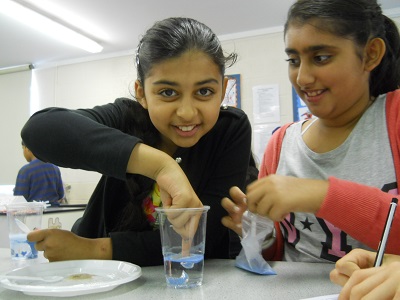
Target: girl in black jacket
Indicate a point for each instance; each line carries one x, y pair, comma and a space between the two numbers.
174, 145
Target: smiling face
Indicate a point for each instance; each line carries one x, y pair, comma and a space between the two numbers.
328, 72
183, 96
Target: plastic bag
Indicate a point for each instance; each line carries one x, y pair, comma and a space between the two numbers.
254, 230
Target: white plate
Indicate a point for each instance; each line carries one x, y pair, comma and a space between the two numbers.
102, 275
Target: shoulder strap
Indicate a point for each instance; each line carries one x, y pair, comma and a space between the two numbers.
277, 145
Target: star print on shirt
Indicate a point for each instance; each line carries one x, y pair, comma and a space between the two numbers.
307, 224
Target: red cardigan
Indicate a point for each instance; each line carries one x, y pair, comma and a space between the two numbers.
366, 207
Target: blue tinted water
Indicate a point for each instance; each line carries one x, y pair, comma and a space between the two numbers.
184, 272
21, 248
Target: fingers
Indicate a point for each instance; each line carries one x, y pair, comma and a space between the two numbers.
235, 208
36, 235
234, 220
238, 197
188, 232
237, 205
39, 238
231, 207
185, 225
183, 219
48, 240
229, 223
374, 283
347, 267
361, 283
256, 192
359, 279
355, 260
182, 201
266, 199
275, 196
338, 278
186, 244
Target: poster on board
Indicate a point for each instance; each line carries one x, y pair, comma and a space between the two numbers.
232, 94
300, 109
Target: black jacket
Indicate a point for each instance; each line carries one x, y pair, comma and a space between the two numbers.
94, 140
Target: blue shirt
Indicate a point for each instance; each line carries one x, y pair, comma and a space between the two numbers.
39, 181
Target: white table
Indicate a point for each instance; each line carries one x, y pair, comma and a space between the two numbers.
222, 280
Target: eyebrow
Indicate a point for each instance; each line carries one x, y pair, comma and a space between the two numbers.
310, 49
172, 83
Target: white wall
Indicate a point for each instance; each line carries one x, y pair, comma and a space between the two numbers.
261, 60
86, 84
14, 103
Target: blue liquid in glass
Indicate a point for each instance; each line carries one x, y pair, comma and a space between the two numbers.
184, 272
21, 248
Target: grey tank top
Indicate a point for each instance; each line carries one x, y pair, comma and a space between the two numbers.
365, 157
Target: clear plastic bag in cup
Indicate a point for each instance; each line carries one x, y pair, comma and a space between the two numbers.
254, 230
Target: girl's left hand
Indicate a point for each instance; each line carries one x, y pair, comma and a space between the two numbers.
59, 245
235, 207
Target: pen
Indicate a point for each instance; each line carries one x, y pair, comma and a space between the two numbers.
385, 234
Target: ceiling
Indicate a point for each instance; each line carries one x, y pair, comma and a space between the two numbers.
119, 24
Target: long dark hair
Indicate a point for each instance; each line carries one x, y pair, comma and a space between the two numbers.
359, 20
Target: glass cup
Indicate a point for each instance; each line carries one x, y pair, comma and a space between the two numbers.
183, 233
23, 218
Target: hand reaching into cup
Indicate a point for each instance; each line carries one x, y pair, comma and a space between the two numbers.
184, 222
183, 233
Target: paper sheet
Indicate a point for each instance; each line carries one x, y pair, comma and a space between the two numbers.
266, 104
261, 136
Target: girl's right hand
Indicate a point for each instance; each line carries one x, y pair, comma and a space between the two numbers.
275, 196
175, 189
361, 280
176, 192
355, 260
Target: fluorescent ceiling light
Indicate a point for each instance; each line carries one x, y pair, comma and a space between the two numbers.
48, 26
59, 12
14, 69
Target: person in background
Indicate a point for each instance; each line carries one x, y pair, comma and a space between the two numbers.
329, 181
360, 280
39, 181
173, 145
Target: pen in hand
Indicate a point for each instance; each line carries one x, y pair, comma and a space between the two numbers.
385, 234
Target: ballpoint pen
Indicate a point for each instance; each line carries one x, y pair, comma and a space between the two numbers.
385, 234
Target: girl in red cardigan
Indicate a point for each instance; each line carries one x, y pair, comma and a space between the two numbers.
328, 182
